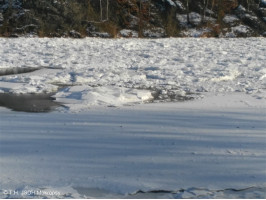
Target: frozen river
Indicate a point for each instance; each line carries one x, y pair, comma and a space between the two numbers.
166, 118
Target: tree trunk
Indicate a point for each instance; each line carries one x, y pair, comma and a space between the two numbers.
10, 2
212, 5
188, 20
107, 9
101, 10
128, 7
205, 5
140, 19
149, 8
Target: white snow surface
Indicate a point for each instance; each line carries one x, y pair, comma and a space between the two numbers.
208, 148
129, 33
241, 29
230, 19
180, 5
195, 18
193, 32
171, 3
89, 68
211, 147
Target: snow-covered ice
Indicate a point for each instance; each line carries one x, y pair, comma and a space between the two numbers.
101, 96
212, 148
97, 146
165, 68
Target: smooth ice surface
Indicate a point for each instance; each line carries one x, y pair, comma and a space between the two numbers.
206, 148
144, 70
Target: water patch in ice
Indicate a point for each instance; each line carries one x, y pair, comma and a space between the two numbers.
17, 70
28, 102
172, 95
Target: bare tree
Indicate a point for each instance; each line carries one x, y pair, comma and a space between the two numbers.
205, 4
187, 5
213, 2
101, 10
140, 18
107, 9
128, 7
149, 7
104, 6
10, 2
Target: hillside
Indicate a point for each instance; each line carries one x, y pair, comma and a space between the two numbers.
133, 18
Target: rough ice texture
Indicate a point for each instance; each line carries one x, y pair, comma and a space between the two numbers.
165, 68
